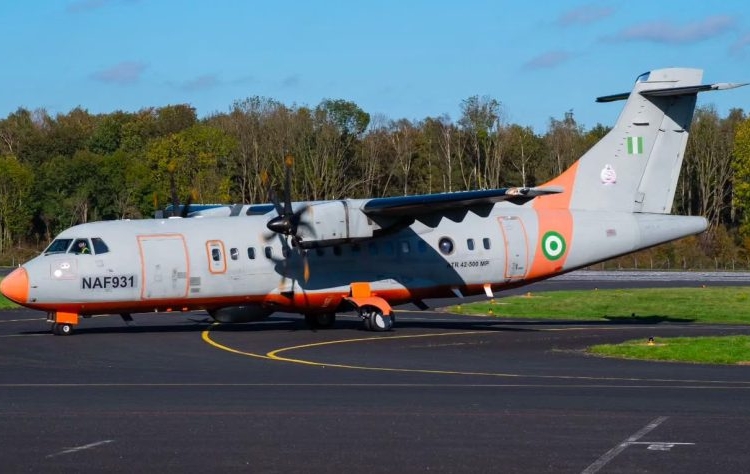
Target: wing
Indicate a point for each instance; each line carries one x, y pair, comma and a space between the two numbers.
430, 203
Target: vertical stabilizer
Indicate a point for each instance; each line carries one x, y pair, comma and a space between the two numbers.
635, 167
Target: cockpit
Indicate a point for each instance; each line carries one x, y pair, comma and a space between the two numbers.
78, 246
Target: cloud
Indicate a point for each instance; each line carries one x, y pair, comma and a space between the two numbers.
291, 81
669, 33
126, 72
206, 81
549, 59
739, 46
584, 15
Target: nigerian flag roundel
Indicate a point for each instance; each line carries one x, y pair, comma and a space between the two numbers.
553, 245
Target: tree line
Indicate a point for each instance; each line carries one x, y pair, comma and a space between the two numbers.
61, 170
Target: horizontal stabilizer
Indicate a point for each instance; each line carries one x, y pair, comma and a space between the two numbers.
674, 91
429, 203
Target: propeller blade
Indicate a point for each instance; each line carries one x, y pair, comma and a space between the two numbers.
306, 265
288, 161
186, 208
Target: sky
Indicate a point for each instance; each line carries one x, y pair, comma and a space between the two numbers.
395, 59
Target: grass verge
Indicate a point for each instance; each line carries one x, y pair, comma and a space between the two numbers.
5, 303
717, 305
703, 350
714, 305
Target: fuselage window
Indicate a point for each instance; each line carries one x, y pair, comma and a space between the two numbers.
268, 251
234, 253
372, 247
470, 244
251, 253
99, 246
216, 254
445, 245
486, 243
58, 246
422, 246
405, 247
80, 247
337, 250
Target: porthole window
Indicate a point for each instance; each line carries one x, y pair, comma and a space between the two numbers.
486, 243
251, 253
268, 252
234, 253
470, 244
445, 245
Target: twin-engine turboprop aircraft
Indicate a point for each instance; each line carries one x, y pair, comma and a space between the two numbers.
370, 254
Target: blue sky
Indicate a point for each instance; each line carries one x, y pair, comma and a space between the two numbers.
399, 58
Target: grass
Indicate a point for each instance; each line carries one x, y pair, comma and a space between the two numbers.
704, 350
5, 303
717, 305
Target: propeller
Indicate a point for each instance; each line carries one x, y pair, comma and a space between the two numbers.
288, 221
183, 210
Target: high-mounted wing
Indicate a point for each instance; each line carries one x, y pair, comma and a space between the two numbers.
430, 203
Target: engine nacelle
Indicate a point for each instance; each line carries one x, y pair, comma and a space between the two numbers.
333, 222
240, 314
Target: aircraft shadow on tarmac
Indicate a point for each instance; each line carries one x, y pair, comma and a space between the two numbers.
294, 324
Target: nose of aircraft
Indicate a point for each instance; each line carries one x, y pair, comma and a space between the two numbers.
16, 286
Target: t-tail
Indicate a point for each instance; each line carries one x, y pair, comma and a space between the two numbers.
617, 198
635, 167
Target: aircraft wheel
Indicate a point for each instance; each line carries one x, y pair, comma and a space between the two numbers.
320, 320
62, 329
375, 320
325, 320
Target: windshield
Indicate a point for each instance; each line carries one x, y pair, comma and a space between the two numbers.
58, 246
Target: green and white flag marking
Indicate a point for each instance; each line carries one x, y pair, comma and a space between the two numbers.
635, 145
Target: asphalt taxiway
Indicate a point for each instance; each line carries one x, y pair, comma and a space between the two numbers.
440, 393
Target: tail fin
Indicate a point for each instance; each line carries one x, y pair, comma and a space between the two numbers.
635, 167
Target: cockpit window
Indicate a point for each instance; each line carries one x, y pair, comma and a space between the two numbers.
58, 246
643, 77
81, 247
99, 246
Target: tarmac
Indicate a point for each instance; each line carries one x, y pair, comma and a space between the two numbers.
439, 393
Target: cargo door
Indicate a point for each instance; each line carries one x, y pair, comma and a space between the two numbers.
164, 266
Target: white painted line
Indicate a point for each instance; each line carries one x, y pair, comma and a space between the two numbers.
612, 453
81, 448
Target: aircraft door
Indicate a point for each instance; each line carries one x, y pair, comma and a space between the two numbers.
163, 266
516, 247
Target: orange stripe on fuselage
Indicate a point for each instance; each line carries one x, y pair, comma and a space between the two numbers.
554, 216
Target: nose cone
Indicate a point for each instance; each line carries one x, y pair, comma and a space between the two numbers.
16, 286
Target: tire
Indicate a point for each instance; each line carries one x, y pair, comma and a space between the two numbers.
320, 320
375, 320
62, 329
325, 320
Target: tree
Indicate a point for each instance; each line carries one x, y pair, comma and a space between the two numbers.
15, 192
480, 120
741, 181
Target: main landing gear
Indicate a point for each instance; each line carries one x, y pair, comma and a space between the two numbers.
320, 320
374, 319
